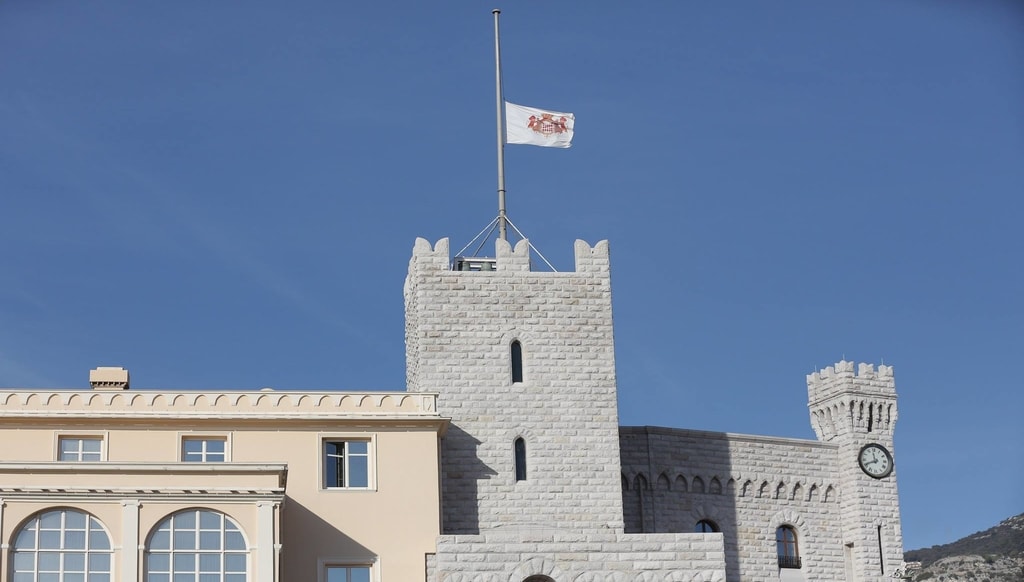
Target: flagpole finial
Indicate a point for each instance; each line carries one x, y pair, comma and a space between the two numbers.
496, 11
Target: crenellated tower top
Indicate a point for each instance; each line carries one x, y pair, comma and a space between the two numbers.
843, 401
841, 378
589, 259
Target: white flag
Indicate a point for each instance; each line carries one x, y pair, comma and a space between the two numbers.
537, 126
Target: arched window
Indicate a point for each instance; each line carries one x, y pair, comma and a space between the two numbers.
62, 545
786, 545
196, 545
706, 526
538, 579
520, 454
517, 362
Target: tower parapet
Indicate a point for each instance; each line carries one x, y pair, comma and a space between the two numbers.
842, 401
589, 259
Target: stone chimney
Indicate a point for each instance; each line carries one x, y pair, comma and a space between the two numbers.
108, 378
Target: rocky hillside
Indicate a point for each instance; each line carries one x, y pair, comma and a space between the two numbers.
993, 555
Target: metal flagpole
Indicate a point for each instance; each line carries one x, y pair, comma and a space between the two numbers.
502, 220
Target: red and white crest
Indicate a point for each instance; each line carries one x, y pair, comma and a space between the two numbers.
547, 124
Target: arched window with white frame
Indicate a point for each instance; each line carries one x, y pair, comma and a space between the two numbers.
61, 545
197, 545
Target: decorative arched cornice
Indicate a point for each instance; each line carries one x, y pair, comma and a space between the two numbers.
748, 488
213, 404
830, 495
697, 485
681, 484
780, 490
640, 482
715, 486
798, 491
664, 482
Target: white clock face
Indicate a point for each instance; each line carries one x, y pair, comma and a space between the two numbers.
875, 460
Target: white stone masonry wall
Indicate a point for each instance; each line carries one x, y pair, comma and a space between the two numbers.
459, 329
747, 485
514, 556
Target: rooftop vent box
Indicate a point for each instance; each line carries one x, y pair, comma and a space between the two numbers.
108, 378
475, 264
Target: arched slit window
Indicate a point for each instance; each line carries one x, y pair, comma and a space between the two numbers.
785, 543
517, 362
62, 545
520, 453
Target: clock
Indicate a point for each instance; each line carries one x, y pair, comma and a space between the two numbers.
875, 460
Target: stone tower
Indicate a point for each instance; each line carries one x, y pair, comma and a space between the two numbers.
857, 411
524, 365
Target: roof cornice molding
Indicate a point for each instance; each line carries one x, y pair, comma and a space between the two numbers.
287, 405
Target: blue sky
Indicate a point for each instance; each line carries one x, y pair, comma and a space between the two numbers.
221, 195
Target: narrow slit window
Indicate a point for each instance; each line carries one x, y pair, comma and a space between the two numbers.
517, 362
881, 554
520, 453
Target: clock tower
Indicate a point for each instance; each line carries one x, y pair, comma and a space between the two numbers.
857, 411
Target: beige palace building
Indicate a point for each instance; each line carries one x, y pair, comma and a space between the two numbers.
112, 484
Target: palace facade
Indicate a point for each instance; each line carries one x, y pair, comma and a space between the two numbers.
503, 461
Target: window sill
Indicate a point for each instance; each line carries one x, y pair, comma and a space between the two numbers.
348, 489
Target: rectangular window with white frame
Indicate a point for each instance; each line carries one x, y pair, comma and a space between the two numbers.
348, 573
347, 463
204, 449
86, 448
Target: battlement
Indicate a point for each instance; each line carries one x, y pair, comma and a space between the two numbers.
842, 401
867, 380
589, 259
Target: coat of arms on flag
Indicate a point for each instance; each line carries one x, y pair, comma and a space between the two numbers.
546, 124
528, 125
